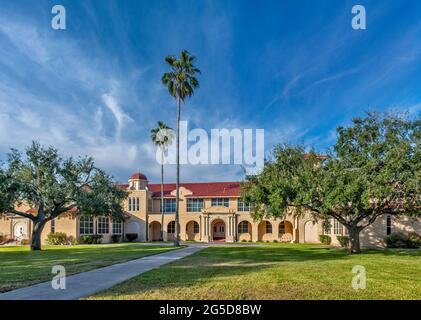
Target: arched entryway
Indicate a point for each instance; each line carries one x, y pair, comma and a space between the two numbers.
218, 230
192, 231
310, 232
285, 231
20, 231
154, 231
264, 231
171, 231
245, 231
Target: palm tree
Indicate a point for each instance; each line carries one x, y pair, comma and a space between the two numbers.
162, 136
181, 83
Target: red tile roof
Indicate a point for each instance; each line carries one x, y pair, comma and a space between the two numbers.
138, 176
34, 211
200, 189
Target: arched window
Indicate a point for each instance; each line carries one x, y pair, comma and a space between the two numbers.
195, 227
171, 227
243, 227
268, 227
282, 228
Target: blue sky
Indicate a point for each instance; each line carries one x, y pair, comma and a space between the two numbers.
294, 68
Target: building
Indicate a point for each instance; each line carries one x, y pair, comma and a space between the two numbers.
208, 212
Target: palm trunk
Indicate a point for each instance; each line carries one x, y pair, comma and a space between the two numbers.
36, 234
161, 237
354, 240
177, 197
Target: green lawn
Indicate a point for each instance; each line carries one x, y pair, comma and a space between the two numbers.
282, 271
20, 267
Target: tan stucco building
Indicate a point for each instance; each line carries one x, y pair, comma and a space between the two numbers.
208, 212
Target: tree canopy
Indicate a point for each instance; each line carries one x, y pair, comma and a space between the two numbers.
373, 169
53, 186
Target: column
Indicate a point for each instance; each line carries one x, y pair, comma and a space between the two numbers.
255, 232
275, 230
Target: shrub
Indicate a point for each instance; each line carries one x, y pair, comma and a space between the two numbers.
244, 240
115, 238
396, 240
276, 241
1, 238
325, 239
131, 237
24, 242
57, 239
343, 241
414, 241
91, 239
72, 241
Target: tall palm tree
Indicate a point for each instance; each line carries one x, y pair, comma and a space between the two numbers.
181, 83
162, 136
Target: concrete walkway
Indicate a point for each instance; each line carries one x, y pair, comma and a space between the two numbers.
87, 283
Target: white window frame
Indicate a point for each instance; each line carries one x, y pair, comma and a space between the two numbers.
89, 224
223, 202
168, 208
241, 228
103, 224
117, 225
194, 205
241, 206
337, 228
171, 227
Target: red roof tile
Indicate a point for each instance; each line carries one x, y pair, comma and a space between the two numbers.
138, 176
200, 189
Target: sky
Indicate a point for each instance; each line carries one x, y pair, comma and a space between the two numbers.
296, 69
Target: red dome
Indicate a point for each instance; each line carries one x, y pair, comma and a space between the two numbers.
138, 176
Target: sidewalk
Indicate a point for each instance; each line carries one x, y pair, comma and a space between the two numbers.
87, 283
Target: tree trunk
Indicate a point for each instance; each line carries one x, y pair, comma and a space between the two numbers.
161, 237
354, 240
38, 226
177, 198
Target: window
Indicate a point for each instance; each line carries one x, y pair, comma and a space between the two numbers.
194, 205
241, 206
53, 226
326, 228
86, 225
220, 202
195, 227
171, 227
268, 227
282, 228
117, 227
243, 227
103, 225
169, 205
150, 208
337, 227
134, 204
388, 224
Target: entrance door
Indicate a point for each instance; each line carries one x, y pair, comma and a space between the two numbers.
219, 231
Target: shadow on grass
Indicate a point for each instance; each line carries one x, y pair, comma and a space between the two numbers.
224, 263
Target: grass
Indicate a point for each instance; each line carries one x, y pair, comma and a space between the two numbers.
19, 267
281, 271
